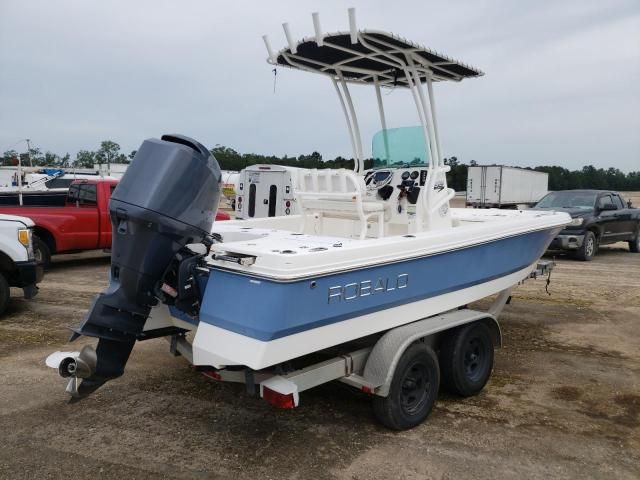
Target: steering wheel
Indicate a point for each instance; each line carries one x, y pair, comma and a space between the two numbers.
372, 184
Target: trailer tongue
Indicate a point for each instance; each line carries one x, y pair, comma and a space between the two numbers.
167, 199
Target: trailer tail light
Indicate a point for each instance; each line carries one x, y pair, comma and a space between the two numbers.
287, 203
212, 374
277, 399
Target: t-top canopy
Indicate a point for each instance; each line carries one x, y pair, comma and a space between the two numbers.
375, 54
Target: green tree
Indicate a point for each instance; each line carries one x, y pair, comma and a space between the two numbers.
10, 158
109, 152
33, 157
228, 158
65, 161
51, 159
85, 159
457, 176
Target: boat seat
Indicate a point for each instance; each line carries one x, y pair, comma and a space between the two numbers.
336, 193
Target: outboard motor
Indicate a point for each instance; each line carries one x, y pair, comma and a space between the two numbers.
167, 199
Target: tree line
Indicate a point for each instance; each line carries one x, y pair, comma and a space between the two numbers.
560, 178
109, 152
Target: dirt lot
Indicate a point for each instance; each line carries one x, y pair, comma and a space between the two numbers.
564, 400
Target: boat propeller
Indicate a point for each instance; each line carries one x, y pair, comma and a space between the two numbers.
81, 366
77, 368
89, 369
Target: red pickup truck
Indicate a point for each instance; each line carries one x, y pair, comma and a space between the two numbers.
81, 224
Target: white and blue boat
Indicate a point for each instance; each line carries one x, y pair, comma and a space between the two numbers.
370, 252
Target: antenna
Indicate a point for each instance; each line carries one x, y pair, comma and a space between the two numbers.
317, 28
29, 150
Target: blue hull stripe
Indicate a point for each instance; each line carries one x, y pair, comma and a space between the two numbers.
266, 310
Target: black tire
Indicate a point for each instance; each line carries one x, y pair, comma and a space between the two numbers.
589, 247
413, 391
466, 359
634, 245
5, 293
41, 252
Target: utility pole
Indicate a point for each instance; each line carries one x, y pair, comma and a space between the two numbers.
29, 151
19, 180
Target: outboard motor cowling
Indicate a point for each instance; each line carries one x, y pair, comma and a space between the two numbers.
167, 199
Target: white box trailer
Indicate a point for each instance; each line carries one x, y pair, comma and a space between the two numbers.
504, 187
266, 191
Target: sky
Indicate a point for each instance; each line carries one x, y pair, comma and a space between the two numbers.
561, 84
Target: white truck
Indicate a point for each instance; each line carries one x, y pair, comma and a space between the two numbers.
498, 186
18, 267
266, 191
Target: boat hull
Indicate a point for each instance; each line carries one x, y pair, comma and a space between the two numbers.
259, 322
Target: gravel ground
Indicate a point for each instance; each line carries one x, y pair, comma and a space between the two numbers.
563, 402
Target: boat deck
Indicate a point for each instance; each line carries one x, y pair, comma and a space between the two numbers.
279, 250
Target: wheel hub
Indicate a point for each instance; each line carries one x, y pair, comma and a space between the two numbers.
474, 359
590, 246
415, 386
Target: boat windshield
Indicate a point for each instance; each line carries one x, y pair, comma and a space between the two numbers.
397, 147
569, 199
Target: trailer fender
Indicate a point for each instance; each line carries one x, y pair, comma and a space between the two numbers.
383, 359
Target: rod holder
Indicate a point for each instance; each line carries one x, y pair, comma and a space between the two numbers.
318, 29
352, 25
267, 44
287, 33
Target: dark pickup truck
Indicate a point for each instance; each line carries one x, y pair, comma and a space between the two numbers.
599, 217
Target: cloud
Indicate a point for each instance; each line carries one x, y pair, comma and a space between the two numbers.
561, 83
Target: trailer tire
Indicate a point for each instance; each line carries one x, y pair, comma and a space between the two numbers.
413, 390
5, 293
41, 252
466, 359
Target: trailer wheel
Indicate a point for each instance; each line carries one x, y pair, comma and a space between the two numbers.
41, 252
466, 359
5, 293
413, 391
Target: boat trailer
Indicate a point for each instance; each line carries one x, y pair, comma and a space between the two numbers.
370, 368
